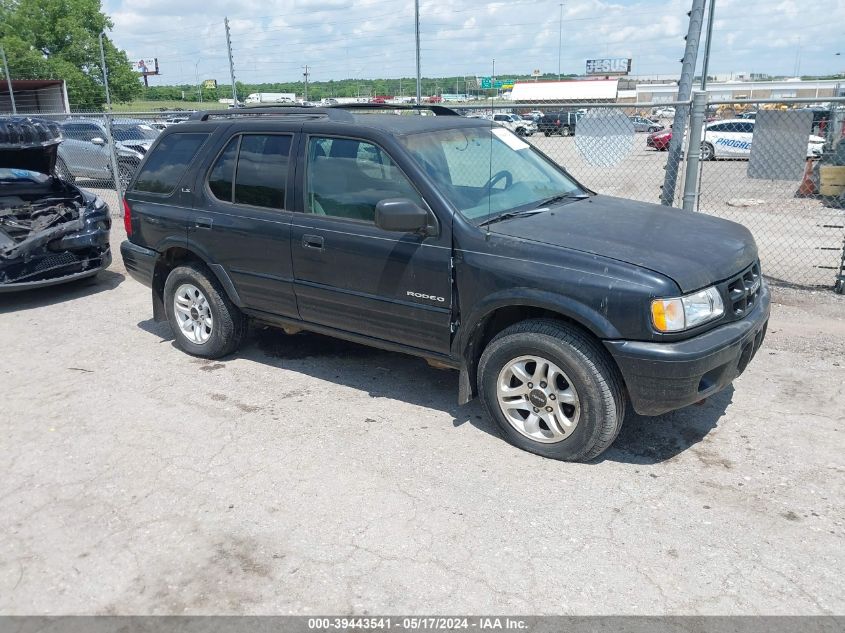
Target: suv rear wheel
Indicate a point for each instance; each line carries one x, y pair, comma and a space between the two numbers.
565, 131
203, 319
552, 390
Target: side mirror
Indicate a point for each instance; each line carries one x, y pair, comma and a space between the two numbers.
98, 141
401, 215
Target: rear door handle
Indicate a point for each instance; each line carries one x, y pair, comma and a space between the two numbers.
203, 223
313, 241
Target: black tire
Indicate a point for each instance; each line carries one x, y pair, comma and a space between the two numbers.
591, 372
707, 152
653, 129
565, 131
63, 172
547, 133
229, 324
520, 131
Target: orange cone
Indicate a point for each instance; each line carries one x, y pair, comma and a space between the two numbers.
808, 186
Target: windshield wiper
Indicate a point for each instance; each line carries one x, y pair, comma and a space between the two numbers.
569, 195
511, 214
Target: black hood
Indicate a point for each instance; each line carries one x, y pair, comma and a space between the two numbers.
693, 249
29, 143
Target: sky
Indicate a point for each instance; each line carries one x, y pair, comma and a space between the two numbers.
273, 39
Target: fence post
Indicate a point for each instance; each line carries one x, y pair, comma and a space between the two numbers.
8, 80
115, 172
673, 160
696, 122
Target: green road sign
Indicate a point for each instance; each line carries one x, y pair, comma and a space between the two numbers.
486, 84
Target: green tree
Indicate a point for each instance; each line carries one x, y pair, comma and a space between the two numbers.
57, 39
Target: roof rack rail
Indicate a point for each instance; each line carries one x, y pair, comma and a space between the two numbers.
272, 110
338, 112
438, 110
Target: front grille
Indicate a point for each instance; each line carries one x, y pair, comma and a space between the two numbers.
743, 291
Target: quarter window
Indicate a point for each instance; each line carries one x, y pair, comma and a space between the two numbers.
81, 131
346, 178
165, 167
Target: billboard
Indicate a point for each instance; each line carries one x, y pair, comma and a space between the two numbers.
209, 84
609, 66
146, 66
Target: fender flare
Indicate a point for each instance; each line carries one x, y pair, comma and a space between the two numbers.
465, 344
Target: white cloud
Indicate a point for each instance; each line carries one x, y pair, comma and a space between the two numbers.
272, 39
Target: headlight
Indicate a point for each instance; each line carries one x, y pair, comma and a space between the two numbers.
683, 313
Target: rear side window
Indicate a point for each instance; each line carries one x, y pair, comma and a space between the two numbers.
169, 162
253, 170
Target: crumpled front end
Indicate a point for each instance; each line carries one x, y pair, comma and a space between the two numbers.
52, 240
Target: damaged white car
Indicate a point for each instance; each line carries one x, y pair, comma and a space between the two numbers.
51, 231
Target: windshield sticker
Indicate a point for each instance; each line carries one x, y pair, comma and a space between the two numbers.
509, 138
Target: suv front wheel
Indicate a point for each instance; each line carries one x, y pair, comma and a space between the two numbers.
552, 390
203, 319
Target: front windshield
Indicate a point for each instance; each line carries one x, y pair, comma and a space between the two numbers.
488, 171
140, 132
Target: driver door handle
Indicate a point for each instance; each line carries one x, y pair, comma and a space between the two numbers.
313, 241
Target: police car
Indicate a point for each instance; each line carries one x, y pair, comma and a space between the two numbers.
732, 139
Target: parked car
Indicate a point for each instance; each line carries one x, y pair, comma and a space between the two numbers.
747, 115
51, 231
642, 124
559, 307
667, 112
515, 124
732, 139
659, 140
85, 154
562, 123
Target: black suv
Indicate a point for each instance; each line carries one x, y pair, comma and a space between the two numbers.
562, 123
452, 240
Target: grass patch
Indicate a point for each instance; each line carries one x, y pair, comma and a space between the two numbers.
154, 106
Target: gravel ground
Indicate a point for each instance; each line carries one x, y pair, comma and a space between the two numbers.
308, 475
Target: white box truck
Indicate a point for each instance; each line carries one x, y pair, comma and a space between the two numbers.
270, 97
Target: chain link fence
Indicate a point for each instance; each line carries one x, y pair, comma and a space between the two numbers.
786, 187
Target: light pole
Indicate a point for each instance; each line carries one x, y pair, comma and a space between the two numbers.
559, 39
197, 75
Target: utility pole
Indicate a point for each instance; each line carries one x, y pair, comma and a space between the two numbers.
8, 80
559, 39
197, 75
305, 74
417, 34
231, 63
673, 161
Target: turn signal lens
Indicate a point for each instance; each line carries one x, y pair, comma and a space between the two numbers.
682, 313
667, 315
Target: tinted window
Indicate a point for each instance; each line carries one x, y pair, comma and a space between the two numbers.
719, 127
223, 173
747, 127
346, 178
82, 131
262, 170
167, 164
140, 132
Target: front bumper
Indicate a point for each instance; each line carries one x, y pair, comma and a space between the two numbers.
662, 377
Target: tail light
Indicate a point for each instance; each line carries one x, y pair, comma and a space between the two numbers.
127, 218
557, 122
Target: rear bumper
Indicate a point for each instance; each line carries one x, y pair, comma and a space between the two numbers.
662, 377
139, 262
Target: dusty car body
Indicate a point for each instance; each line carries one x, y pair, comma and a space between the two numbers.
51, 231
